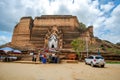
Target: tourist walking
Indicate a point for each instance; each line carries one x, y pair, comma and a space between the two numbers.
32, 53
53, 57
40, 57
35, 57
44, 60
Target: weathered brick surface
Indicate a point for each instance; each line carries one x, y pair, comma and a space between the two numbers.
34, 33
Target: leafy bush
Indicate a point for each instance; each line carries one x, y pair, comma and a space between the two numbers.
78, 45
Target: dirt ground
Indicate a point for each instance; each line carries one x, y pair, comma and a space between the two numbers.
80, 71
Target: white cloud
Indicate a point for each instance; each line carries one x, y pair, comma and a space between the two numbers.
107, 7
113, 25
113, 22
87, 12
4, 39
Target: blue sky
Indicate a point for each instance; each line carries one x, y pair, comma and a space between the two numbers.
104, 15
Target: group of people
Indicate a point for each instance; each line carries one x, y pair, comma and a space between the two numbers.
46, 57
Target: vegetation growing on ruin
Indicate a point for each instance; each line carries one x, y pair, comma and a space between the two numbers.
81, 27
79, 46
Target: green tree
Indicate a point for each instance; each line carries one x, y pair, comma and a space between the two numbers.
81, 27
79, 46
118, 43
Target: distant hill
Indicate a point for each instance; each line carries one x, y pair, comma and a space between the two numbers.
105, 46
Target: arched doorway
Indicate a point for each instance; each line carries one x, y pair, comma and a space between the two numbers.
53, 42
54, 38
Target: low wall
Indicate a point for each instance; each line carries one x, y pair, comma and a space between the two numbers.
107, 56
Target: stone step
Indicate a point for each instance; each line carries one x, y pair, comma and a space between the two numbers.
67, 46
70, 36
37, 39
26, 58
38, 42
71, 32
44, 27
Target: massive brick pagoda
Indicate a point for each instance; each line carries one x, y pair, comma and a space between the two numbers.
49, 31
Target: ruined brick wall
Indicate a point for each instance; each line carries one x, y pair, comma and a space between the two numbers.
32, 33
21, 34
67, 24
88, 35
56, 20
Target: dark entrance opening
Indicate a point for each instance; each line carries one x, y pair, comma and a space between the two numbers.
52, 46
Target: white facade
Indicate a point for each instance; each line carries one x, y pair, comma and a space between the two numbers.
53, 42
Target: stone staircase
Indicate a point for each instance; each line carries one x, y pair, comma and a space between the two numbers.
26, 57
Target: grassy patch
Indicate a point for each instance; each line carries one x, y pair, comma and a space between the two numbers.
113, 50
115, 62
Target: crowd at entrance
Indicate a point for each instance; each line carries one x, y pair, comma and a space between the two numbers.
46, 57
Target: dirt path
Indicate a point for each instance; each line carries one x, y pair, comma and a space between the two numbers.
80, 71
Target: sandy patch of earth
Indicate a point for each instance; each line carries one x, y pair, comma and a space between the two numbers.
80, 71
